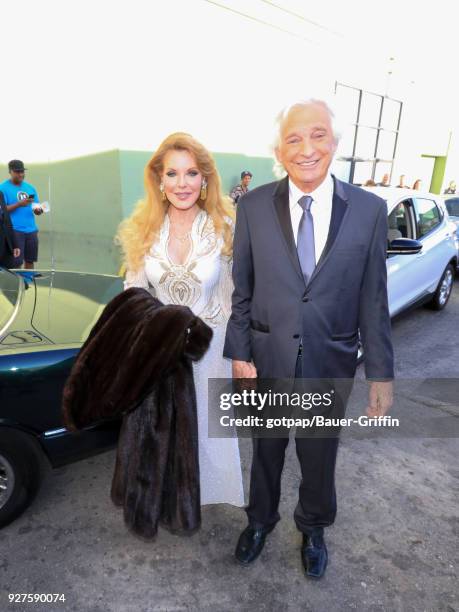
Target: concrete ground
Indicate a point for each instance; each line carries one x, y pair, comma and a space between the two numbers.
393, 547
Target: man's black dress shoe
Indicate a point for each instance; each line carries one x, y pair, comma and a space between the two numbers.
314, 555
250, 544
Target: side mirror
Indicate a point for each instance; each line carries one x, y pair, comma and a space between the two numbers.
404, 246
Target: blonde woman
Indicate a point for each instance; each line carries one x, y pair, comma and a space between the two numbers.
178, 244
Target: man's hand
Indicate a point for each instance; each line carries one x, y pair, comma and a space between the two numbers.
244, 369
380, 398
16, 253
38, 210
25, 202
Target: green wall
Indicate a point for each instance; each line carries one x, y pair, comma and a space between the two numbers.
230, 166
132, 164
90, 195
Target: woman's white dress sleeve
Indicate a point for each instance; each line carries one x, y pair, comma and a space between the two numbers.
136, 279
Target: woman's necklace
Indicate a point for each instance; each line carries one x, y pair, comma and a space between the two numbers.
182, 238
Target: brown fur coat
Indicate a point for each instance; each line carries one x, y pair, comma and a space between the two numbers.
136, 362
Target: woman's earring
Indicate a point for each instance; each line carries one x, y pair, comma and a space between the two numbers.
204, 189
163, 194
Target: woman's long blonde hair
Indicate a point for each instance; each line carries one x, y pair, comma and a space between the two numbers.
138, 232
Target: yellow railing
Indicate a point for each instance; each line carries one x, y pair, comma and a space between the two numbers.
122, 271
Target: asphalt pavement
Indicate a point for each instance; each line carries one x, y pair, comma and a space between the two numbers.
394, 546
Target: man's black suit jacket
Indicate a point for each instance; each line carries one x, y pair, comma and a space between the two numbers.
273, 309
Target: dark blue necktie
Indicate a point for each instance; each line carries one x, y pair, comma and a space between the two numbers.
305, 240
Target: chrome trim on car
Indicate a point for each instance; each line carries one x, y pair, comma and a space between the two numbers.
54, 432
17, 306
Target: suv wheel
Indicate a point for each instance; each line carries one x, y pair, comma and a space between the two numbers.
444, 289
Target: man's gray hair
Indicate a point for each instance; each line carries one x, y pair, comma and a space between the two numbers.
328, 105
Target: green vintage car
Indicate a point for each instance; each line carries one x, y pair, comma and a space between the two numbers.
45, 316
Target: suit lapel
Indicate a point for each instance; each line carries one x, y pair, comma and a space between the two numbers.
282, 208
340, 209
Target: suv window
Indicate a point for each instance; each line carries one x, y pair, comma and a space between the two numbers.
428, 216
399, 222
452, 206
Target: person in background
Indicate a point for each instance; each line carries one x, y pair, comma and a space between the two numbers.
8, 249
402, 184
18, 196
241, 188
451, 187
369, 183
385, 181
417, 184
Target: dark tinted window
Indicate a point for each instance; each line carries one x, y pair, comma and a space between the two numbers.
399, 222
452, 206
428, 216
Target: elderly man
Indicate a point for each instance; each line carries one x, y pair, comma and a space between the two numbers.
309, 272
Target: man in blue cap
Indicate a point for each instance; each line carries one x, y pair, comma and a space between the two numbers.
19, 196
241, 188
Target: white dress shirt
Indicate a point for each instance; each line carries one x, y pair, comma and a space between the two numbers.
321, 208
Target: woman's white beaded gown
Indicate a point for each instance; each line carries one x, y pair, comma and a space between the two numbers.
203, 283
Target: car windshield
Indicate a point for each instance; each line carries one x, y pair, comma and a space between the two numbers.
10, 288
452, 206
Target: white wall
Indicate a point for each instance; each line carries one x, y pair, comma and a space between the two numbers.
95, 75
